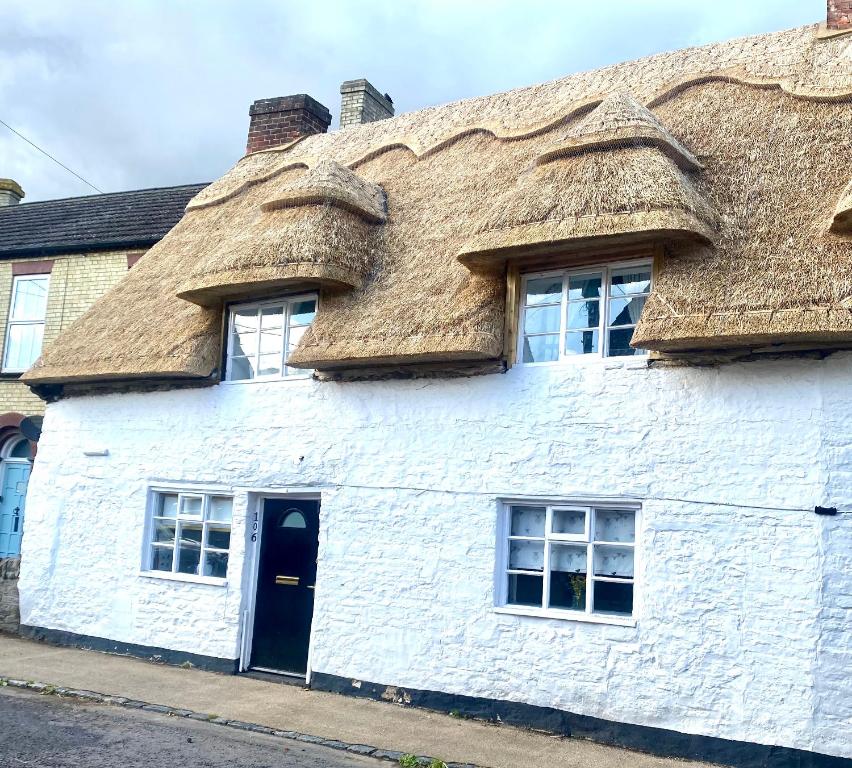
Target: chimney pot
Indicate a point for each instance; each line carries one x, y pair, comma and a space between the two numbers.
839, 14
278, 121
361, 103
10, 192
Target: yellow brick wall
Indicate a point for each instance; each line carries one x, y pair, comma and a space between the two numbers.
75, 282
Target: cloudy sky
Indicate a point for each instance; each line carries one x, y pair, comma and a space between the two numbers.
143, 93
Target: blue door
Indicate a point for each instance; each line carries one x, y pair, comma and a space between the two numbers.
16, 474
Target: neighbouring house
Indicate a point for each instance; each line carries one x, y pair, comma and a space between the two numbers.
56, 258
532, 406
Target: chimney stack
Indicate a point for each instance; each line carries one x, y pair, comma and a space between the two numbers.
278, 121
10, 192
839, 14
361, 103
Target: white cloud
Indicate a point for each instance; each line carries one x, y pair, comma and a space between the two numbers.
154, 93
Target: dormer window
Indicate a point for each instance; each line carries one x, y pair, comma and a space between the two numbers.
261, 336
585, 311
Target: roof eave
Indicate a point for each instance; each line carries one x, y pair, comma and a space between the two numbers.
78, 248
625, 228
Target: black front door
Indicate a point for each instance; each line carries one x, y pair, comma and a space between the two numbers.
285, 585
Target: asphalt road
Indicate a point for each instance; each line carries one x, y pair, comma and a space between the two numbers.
42, 731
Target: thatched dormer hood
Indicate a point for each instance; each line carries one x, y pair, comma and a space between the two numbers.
752, 139
616, 176
319, 229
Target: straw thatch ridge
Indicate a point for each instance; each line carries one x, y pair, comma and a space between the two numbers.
627, 194
332, 183
794, 61
316, 228
619, 120
775, 166
251, 170
216, 194
616, 174
842, 221
309, 244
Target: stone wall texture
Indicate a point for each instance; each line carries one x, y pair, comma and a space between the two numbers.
744, 595
76, 281
9, 615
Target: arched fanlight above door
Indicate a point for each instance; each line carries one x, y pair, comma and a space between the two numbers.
292, 518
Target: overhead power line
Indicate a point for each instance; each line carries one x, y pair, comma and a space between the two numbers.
47, 154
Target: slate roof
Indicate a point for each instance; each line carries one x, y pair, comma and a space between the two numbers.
135, 219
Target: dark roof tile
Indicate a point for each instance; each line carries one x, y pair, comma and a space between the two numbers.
138, 218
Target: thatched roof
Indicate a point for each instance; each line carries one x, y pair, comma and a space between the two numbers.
619, 121
614, 176
317, 228
842, 221
333, 184
768, 117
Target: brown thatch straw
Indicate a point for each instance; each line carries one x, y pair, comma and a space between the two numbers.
318, 229
775, 167
626, 195
769, 118
620, 120
143, 332
331, 183
615, 175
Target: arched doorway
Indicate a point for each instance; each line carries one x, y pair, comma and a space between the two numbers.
15, 466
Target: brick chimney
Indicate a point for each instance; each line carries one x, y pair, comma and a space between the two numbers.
10, 192
361, 103
839, 14
278, 121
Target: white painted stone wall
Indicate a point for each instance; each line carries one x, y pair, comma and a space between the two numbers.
744, 596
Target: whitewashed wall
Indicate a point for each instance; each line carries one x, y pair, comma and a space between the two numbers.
744, 598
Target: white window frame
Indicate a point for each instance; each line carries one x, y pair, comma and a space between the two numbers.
504, 539
606, 271
287, 302
10, 323
182, 492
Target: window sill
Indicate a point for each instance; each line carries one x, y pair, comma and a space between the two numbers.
589, 618
184, 577
243, 382
617, 362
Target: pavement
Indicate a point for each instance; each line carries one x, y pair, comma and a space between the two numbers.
54, 732
294, 709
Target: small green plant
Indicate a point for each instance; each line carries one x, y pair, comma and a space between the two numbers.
48, 690
187, 665
578, 587
412, 761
